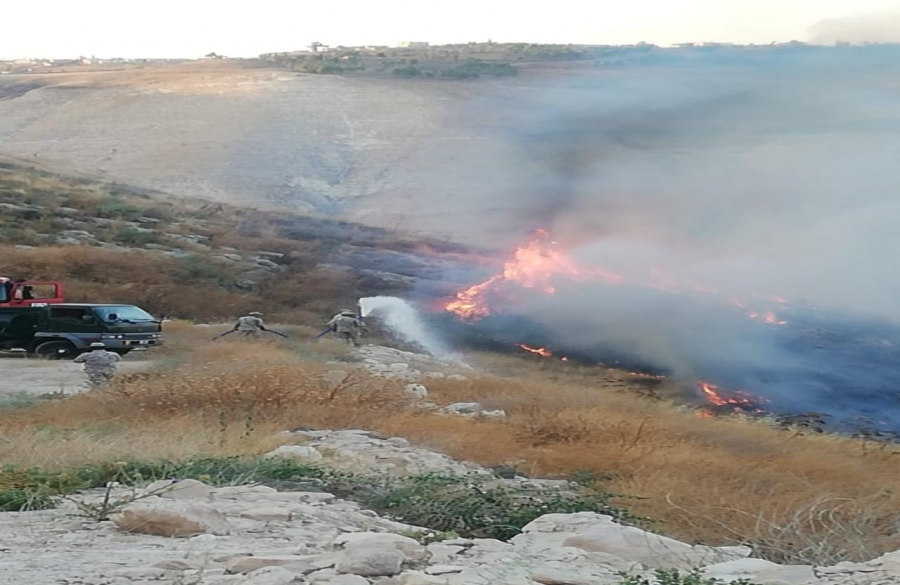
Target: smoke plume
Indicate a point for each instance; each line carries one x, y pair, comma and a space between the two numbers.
869, 28
753, 174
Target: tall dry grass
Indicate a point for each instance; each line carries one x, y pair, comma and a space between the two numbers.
793, 497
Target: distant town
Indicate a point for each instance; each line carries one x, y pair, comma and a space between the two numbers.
459, 61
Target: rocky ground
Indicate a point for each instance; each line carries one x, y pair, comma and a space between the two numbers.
187, 532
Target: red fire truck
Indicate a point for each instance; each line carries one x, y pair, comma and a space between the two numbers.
25, 293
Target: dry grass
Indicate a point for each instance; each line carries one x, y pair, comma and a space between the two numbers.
197, 284
795, 498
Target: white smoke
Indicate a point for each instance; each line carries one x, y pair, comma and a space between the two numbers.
867, 28
404, 321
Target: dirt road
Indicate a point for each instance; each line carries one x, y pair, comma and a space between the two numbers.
30, 376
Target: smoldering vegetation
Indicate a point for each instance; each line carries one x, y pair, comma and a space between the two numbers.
758, 179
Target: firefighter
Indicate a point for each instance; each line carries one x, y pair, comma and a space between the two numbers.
99, 365
347, 325
250, 325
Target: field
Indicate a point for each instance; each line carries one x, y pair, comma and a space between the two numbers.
793, 497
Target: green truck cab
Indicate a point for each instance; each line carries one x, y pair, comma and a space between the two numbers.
65, 330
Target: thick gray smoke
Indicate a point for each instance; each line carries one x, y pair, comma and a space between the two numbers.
779, 177
767, 173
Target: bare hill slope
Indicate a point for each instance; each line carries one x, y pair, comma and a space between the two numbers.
363, 146
479, 158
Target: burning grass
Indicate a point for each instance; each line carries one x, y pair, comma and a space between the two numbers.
794, 497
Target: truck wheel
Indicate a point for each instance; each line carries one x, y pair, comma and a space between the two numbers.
56, 350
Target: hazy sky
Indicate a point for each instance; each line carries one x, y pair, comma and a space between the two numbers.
240, 28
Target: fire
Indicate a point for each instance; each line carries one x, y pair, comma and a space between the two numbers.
541, 351
767, 317
533, 266
538, 263
740, 399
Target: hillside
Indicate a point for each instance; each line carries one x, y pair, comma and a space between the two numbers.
197, 259
480, 159
296, 183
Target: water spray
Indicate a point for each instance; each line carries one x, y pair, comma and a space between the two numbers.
405, 322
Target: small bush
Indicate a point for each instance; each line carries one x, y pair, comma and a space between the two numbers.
135, 237
474, 506
113, 209
408, 71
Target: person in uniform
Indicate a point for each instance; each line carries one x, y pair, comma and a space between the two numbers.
347, 325
250, 325
100, 365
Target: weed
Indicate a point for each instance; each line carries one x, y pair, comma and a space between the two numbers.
474, 506
674, 577
13, 400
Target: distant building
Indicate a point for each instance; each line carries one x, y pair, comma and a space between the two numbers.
412, 45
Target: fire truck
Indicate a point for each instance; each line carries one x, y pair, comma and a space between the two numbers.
35, 319
24, 293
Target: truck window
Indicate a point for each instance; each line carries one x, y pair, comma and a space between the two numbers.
36, 291
126, 313
70, 314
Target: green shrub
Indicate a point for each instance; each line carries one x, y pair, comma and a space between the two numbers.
114, 209
674, 577
475, 68
470, 506
409, 71
473, 506
134, 237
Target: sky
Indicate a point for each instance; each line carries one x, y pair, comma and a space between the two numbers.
239, 28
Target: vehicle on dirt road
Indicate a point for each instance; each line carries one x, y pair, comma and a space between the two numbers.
65, 330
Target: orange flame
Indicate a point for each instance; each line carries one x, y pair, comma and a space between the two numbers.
715, 396
541, 351
537, 263
533, 265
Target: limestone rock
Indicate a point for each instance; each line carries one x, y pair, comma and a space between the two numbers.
417, 391
410, 549
372, 563
176, 565
444, 569
419, 578
555, 576
347, 580
492, 414
652, 550
186, 489
248, 564
268, 514
271, 576
760, 572
443, 553
464, 408
890, 563
158, 520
